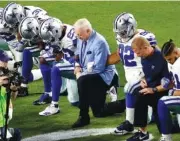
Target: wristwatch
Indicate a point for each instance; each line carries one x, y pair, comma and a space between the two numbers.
155, 90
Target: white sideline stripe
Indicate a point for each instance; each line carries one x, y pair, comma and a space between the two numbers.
70, 134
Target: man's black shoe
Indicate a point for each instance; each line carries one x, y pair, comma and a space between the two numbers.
81, 122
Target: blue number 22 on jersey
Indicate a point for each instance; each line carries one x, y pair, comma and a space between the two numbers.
127, 56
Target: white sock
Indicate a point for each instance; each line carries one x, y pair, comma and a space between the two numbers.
23, 85
54, 102
150, 112
48, 93
36, 74
130, 115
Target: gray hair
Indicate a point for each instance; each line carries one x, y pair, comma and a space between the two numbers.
82, 24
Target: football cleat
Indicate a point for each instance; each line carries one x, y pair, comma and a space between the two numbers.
165, 138
124, 128
50, 110
81, 122
44, 99
139, 136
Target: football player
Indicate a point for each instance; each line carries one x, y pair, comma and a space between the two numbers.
64, 40
7, 36
125, 28
13, 14
170, 103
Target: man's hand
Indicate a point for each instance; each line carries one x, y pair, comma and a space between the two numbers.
78, 75
3, 80
146, 91
13, 87
77, 70
143, 83
14, 90
113, 58
19, 37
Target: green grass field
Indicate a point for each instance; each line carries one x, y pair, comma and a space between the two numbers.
161, 18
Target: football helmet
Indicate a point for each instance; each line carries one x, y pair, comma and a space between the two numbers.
41, 16
13, 13
51, 30
29, 28
125, 25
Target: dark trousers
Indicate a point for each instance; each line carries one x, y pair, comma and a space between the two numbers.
141, 108
115, 107
92, 92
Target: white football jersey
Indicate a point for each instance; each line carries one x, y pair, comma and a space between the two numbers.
174, 69
68, 41
131, 62
32, 11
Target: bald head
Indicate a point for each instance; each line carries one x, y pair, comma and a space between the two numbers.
141, 47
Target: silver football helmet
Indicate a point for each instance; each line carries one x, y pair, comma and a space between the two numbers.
13, 13
41, 16
125, 25
29, 28
51, 30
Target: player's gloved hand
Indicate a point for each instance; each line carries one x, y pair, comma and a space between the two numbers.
171, 92
165, 82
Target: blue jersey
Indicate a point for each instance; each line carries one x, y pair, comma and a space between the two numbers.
155, 68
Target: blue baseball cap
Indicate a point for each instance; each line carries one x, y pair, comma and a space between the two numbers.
4, 56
